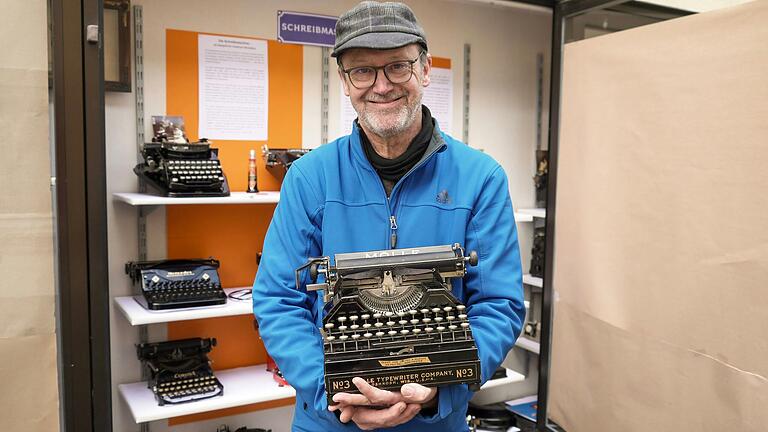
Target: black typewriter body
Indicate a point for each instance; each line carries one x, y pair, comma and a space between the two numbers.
179, 370
183, 170
176, 284
281, 159
391, 319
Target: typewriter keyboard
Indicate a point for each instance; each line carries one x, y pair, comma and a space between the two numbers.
378, 330
188, 389
165, 292
194, 172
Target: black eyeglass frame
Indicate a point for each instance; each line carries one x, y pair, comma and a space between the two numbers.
383, 69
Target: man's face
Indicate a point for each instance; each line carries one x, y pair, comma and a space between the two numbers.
386, 109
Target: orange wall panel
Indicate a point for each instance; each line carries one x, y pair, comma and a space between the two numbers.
233, 234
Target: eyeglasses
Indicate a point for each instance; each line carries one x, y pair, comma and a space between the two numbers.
398, 72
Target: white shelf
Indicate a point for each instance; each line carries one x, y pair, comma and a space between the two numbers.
534, 212
533, 281
527, 344
140, 199
523, 217
136, 314
512, 377
242, 386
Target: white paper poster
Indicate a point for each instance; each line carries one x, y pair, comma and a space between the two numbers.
438, 97
233, 88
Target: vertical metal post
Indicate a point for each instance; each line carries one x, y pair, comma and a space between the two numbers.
465, 132
547, 294
539, 97
141, 220
324, 96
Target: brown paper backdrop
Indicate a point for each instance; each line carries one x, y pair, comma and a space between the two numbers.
661, 255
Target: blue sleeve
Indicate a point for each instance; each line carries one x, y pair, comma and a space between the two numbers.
286, 315
493, 290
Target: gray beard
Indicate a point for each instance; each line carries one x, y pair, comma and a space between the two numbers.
404, 118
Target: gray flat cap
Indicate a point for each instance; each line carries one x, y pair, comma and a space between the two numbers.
377, 25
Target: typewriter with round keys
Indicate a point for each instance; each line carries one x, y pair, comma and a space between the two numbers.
391, 318
179, 370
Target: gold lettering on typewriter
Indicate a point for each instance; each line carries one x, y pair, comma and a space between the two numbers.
341, 385
180, 273
405, 362
184, 375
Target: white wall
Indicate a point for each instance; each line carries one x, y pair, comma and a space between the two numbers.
504, 40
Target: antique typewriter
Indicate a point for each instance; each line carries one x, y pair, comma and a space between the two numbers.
179, 370
281, 158
183, 170
175, 284
391, 318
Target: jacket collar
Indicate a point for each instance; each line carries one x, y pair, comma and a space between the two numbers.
437, 143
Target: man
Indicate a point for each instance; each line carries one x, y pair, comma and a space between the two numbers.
395, 182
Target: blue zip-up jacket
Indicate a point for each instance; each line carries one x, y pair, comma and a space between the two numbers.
333, 201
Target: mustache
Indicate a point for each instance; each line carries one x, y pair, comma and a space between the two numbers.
384, 98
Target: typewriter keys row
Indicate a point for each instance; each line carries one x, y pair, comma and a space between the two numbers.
426, 325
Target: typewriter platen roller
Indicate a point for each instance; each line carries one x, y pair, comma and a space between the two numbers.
391, 318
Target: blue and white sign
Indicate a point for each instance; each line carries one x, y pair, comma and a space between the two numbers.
306, 29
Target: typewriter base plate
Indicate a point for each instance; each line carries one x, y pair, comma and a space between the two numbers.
430, 376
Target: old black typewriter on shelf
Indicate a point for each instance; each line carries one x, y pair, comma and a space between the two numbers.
281, 158
391, 318
179, 370
183, 169
176, 284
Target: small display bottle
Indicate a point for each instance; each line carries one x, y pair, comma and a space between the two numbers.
252, 185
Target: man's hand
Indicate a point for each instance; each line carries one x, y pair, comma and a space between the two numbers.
375, 408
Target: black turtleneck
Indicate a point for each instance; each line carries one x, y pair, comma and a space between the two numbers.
392, 170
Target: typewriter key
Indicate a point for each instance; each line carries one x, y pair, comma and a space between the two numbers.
404, 331
414, 321
424, 311
402, 322
342, 327
353, 317
460, 307
365, 316
378, 324
462, 316
354, 326
391, 332
367, 335
379, 334
436, 310
342, 319
366, 325
390, 323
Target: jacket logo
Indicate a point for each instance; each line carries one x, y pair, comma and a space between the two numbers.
443, 197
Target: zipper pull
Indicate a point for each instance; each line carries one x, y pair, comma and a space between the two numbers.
393, 227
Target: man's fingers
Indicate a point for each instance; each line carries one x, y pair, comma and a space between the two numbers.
347, 413
374, 395
351, 399
417, 393
367, 418
410, 412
